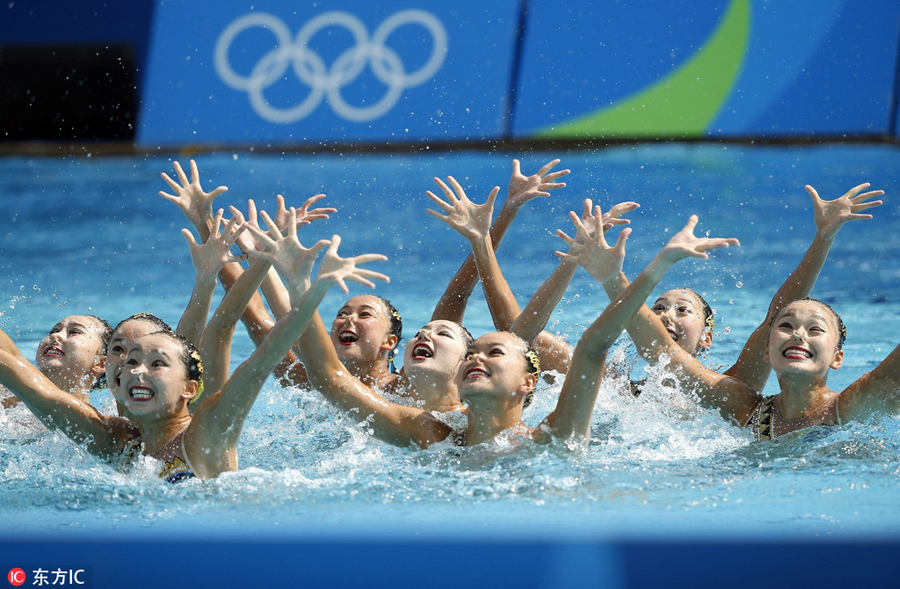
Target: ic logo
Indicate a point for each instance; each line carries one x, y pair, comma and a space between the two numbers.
16, 577
323, 81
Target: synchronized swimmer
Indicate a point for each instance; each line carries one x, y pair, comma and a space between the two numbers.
178, 403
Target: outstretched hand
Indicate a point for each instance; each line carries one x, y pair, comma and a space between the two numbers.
305, 215
609, 219
292, 261
830, 215
685, 244
338, 270
524, 188
614, 215
196, 205
248, 242
589, 247
472, 221
215, 253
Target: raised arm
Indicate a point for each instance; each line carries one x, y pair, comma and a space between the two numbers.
101, 435
197, 205
397, 424
472, 222
213, 434
873, 393
215, 347
207, 259
394, 423
273, 289
531, 321
522, 189
579, 393
731, 397
751, 366
256, 318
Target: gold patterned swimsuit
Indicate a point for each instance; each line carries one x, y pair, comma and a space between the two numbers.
766, 422
173, 472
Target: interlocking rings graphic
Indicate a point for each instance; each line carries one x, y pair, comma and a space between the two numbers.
310, 68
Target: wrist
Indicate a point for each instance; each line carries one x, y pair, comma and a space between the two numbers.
204, 279
826, 235
508, 211
481, 243
659, 265
615, 281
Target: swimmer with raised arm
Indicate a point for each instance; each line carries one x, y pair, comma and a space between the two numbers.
379, 321
72, 355
499, 370
679, 324
521, 190
367, 328
805, 343
207, 258
162, 372
472, 222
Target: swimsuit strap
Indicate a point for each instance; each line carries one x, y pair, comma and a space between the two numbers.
760, 422
178, 470
130, 453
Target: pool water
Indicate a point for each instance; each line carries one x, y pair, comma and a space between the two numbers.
91, 234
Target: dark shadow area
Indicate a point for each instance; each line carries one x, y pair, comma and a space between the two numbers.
67, 92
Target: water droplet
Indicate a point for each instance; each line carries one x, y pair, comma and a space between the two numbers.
739, 284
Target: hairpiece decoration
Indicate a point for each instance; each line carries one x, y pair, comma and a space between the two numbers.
195, 356
528, 399
534, 363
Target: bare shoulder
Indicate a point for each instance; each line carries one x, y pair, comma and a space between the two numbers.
426, 429
121, 429
735, 399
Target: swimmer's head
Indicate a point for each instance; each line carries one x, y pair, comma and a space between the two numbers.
162, 372
500, 365
806, 337
838, 324
73, 354
438, 347
148, 318
687, 317
126, 333
367, 329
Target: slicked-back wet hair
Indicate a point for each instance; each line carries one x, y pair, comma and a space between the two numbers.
842, 330
149, 318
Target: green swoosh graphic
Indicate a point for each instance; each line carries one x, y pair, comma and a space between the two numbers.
681, 104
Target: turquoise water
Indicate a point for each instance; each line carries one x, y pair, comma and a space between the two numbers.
92, 235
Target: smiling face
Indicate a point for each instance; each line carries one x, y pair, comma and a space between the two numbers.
804, 339
495, 366
682, 313
438, 347
122, 338
73, 350
361, 332
154, 378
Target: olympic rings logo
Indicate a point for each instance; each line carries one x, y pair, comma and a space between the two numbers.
325, 82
